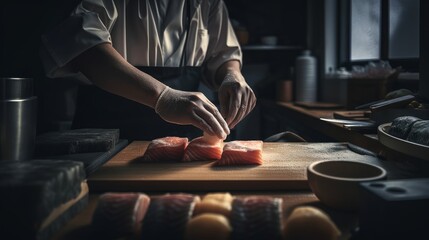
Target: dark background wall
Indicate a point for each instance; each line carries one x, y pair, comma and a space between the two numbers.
285, 19
424, 49
22, 23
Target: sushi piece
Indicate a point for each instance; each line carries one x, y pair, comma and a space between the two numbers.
120, 215
165, 149
203, 148
168, 215
401, 126
208, 226
219, 203
241, 153
419, 132
256, 217
310, 223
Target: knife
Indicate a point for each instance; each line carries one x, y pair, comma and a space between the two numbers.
385, 103
391, 103
349, 122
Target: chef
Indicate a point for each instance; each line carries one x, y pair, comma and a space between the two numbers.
145, 59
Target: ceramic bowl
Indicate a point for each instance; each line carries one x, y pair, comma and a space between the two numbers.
336, 183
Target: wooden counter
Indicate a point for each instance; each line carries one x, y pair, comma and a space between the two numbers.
279, 116
122, 174
284, 168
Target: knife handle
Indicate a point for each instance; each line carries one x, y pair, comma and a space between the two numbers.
391, 103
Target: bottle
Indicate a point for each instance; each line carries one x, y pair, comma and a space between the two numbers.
284, 88
306, 77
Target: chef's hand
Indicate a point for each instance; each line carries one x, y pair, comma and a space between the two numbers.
194, 108
236, 98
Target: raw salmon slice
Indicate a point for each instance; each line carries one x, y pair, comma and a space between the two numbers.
241, 153
203, 148
165, 149
120, 215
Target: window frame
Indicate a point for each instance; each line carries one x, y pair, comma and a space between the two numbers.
344, 39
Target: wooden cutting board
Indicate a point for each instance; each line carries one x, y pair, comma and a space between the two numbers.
284, 168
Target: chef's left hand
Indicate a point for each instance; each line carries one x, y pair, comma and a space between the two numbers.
236, 98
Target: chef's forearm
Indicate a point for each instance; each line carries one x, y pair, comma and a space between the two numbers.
229, 66
107, 69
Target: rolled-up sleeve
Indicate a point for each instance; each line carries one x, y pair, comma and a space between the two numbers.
223, 44
89, 25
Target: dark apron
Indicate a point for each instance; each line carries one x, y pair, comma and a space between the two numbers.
97, 108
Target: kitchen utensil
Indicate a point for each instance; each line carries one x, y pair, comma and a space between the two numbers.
387, 103
336, 182
18, 117
16, 88
400, 145
351, 123
392, 103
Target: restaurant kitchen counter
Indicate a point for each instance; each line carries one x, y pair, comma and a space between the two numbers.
283, 175
305, 121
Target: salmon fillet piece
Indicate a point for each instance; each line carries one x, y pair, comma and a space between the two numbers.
241, 153
203, 149
165, 149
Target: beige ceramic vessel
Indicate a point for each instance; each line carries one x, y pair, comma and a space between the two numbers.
336, 183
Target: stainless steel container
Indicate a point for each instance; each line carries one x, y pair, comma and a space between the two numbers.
18, 118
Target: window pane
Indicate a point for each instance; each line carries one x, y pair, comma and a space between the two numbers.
404, 28
365, 29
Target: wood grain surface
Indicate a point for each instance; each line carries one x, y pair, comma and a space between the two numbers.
284, 168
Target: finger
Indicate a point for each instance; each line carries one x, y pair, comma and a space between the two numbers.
209, 106
234, 106
242, 111
219, 118
212, 122
200, 123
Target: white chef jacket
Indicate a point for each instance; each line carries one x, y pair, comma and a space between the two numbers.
145, 33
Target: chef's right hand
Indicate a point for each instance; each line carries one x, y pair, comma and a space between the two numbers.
183, 108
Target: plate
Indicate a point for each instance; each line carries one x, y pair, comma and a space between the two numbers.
400, 145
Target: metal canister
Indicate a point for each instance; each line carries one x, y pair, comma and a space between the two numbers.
18, 118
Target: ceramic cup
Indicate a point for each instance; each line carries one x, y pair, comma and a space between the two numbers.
336, 183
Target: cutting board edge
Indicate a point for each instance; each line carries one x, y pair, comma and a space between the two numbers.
104, 185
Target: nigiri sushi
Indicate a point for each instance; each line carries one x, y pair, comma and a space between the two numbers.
208, 226
219, 203
241, 153
203, 148
119, 215
310, 223
256, 217
168, 215
165, 149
